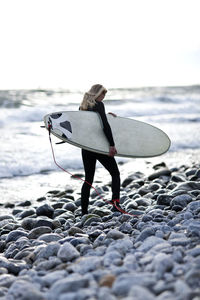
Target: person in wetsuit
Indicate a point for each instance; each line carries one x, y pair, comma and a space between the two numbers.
92, 101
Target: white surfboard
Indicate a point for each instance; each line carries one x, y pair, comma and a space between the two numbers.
84, 129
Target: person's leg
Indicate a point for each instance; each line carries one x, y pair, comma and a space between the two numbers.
110, 164
89, 162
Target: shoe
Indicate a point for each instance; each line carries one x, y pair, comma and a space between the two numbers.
115, 203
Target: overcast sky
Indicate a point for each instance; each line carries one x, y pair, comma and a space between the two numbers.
119, 43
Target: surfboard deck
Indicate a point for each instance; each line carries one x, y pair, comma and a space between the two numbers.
84, 129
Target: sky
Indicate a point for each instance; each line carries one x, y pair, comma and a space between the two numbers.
118, 43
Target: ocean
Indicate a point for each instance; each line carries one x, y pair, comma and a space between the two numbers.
26, 166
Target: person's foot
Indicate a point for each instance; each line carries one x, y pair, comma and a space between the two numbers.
116, 206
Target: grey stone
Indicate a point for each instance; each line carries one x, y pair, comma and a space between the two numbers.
140, 293
188, 186
194, 205
85, 265
70, 206
6, 280
149, 243
124, 283
162, 263
192, 278
14, 235
112, 258
182, 290
44, 222
50, 278
147, 232
23, 290
48, 251
126, 228
36, 232
195, 251
27, 213
70, 284
52, 237
45, 265
159, 173
67, 252
194, 228
122, 246
45, 210
181, 200
73, 230
28, 223
12, 265
115, 234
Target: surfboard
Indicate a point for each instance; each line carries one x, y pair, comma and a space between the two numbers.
132, 138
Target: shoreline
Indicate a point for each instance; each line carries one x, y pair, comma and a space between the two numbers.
49, 252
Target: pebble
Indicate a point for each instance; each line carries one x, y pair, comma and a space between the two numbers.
48, 251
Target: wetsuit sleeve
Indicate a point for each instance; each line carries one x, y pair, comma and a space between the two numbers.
106, 126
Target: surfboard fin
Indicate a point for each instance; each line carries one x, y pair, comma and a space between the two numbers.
58, 143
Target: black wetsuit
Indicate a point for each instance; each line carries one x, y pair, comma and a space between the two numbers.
89, 162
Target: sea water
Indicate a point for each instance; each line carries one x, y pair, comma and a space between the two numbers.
26, 165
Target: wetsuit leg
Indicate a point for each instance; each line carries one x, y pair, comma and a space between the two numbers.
89, 162
110, 164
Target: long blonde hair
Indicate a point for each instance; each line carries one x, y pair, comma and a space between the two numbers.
90, 96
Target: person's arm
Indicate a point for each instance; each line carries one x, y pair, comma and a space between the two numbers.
106, 128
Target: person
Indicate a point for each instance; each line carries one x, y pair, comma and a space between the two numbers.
92, 101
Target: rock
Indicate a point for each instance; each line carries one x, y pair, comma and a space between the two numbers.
90, 218
6, 280
46, 265
73, 230
124, 283
67, 252
147, 232
48, 251
162, 263
115, 234
150, 242
50, 278
164, 199
36, 232
72, 283
28, 223
192, 278
122, 246
44, 222
194, 228
21, 290
45, 210
188, 186
181, 200
126, 228
143, 201
159, 173
85, 265
140, 293
12, 265
27, 213
107, 280
24, 203
15, 235
48, 238
70, 206
194, 205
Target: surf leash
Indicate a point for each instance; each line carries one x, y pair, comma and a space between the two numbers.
113, 202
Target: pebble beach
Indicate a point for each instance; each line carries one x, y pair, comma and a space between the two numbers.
48, 251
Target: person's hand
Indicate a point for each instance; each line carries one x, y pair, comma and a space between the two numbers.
114, 115
112, 151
